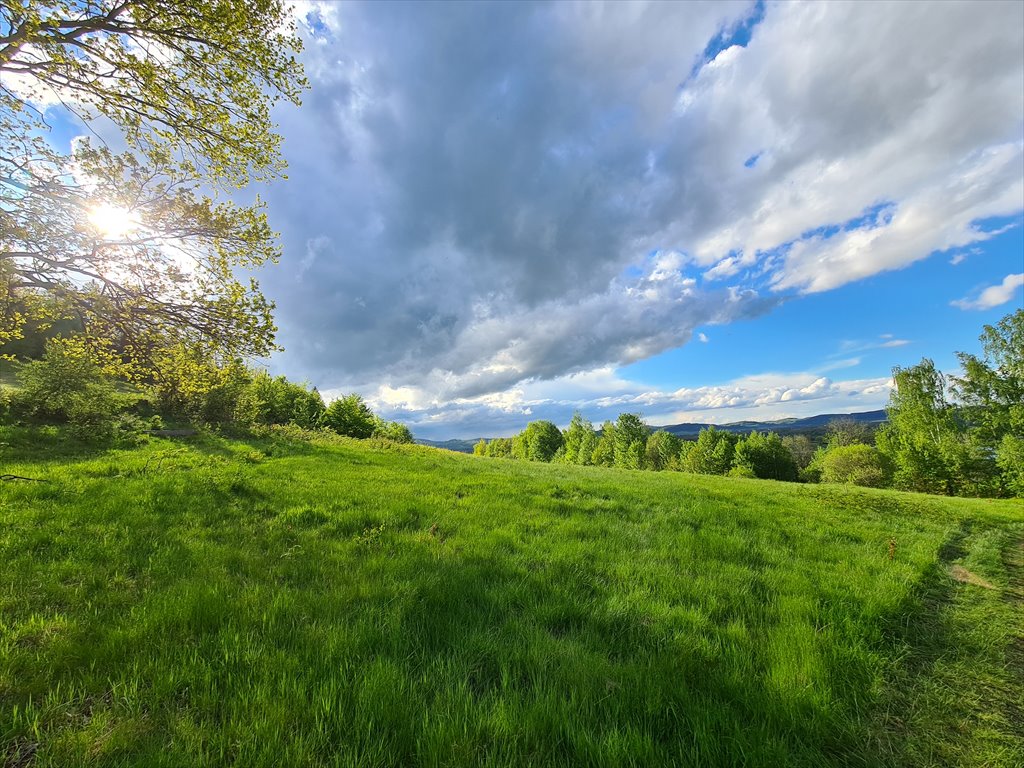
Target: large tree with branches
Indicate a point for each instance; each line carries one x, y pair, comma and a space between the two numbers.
128, 227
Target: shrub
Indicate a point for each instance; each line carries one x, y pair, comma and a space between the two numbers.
394, 431
350, 416
856, 465
766, 456
67, 387
1010, 459
270, 400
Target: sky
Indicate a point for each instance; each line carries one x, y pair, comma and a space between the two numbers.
700, 212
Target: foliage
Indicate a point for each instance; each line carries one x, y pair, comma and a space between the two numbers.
604, 449
269, 400
189, 86
394, 431
922, 437
1010, 459
190, 384
540, 441
661, 450
766, 456
630, 440
856, 464
927, 444
712, 453
350, 416
992, 386
68, 387
847, 431
991, 391
801, 448
580, 440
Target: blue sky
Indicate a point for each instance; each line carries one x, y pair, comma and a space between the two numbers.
695, 211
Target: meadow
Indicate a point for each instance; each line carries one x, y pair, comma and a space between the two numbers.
280, 602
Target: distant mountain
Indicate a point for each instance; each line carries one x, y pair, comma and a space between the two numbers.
811, 425
460, 446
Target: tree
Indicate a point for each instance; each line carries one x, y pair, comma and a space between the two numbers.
662, 447
766, 456
847, 431
712, 454
630, 441
540, 441
579, 440
991, 389
269, 400
350, 416
132, 243
1010, 459
923, 439
500, 448
801, 448
189, 383
604, 449
991, 393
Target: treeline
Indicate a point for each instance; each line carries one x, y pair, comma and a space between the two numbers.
628, 443
73, 387
964, 436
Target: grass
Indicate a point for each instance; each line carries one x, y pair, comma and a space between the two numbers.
266, 602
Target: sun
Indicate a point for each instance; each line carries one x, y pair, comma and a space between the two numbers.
112, 221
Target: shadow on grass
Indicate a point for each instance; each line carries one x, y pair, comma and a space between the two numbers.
29, 444
920, 633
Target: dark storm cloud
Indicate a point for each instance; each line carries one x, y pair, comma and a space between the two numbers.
458, 159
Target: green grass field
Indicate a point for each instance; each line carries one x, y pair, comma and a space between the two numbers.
276, 603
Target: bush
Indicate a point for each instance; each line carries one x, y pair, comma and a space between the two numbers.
350, 416
1010, 459
766, 456
268, 400
856, 465
394, 431
67, 387
742, 470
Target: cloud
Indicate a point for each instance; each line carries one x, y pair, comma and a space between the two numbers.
485, 197
994, 295
600, 394
703, 338
884, 341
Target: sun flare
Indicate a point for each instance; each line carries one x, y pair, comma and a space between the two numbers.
112, 221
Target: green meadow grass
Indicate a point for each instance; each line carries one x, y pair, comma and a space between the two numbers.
276, 603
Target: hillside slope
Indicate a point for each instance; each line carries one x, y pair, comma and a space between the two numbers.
274, 602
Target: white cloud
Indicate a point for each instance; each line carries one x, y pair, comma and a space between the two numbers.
602, 394
703, 338
849, 107
994, 295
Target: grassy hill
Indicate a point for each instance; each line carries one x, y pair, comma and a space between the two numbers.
273, 602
